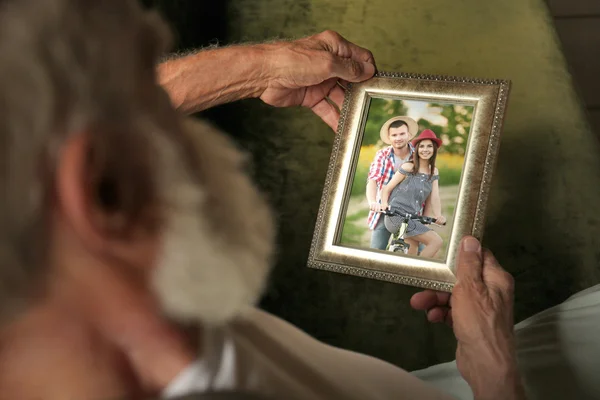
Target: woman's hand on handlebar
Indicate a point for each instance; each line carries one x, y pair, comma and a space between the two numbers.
375, 206
440, 220
384, 206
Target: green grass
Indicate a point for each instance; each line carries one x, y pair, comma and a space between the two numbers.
352, 233
361, 215
359, 185
449, 176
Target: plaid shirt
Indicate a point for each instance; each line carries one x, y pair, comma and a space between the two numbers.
382, 171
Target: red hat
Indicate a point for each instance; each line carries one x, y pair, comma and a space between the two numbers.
427, 134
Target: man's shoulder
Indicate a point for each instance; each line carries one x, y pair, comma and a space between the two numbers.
383, 152
269, 337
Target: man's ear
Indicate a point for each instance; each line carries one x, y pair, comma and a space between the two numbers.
73, 191
77, 192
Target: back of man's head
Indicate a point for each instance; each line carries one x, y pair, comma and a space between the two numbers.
79, 67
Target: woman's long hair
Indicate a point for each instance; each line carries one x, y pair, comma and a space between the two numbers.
417, 160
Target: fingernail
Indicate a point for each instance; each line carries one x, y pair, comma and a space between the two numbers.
470, 244
369, 68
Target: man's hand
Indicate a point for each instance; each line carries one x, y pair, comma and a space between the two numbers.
306, 72
480, 311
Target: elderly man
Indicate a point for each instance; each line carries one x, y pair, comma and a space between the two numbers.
118, 217
396, 133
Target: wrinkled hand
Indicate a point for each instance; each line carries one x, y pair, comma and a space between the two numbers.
306, 72
480, 310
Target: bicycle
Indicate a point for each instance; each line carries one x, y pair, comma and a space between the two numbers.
397, 242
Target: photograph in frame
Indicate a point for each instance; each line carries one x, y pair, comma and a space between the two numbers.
408, 177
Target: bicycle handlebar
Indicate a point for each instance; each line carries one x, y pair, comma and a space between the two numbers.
423, 219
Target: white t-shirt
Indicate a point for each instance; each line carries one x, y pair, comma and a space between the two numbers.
266, 355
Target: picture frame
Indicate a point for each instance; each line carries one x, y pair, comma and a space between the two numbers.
464, 118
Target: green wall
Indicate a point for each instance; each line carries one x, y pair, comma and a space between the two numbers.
542, 221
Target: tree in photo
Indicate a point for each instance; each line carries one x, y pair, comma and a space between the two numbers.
380, 111
454, 134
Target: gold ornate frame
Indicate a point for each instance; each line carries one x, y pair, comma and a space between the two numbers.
489, 98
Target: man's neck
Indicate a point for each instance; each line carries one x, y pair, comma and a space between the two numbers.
51, 346
402, 152
64, 343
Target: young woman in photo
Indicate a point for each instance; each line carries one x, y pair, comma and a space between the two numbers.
416, 184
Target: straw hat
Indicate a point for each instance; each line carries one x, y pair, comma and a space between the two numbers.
413, 128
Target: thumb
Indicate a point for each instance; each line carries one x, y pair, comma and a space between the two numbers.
469, 264
352, 70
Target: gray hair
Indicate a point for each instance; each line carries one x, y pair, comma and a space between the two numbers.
67, 67
80, 66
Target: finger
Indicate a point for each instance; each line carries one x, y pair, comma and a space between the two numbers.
429, 299
490, 261
449, 320
424, 300
496, 276
361, 54
318, 92
438, 314
337, 96
345, 48
351, 70
469, 260
328, 113
343, 83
